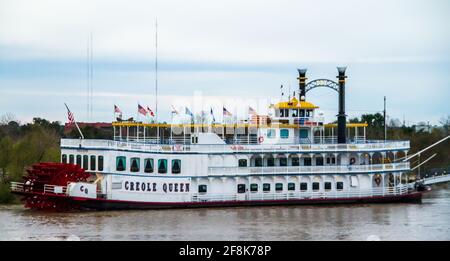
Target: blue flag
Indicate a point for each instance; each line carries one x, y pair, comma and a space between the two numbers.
188, 112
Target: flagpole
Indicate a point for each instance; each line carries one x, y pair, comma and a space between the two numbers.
82, 136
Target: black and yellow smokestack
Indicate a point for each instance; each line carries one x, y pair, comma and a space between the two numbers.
302, 84
342, 118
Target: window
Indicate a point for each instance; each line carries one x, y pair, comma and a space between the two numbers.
135, 164
303, 134
202, 188
270, 162
339, 185
327, 185
315, 186
64, 158
162, 166
295, 161
307, 161
291, 186
266, 187
148, 165
242, 163
79, 160
176, 166
284, 133
333, 160
258, 162
241, 188
85, 162
71, 159
284, 112
120, 163
294, 112
271, 133
254, 187
302, 113
283, 162
100, 163
279, 187
303, 186
319, 161
92, 162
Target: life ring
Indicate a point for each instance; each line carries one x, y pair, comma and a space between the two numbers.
260, 139
352, 161
377, 180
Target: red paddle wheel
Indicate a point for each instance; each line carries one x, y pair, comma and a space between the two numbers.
54, 174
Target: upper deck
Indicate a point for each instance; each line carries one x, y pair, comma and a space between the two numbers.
356, 147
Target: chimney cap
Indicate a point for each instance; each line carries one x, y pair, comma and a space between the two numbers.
301, 70
341, 69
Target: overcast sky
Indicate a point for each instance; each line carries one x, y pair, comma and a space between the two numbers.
229, 52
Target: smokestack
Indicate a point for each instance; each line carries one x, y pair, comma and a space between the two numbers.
341, 115
302, 84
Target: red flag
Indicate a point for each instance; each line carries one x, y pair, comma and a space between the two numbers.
70, 117
142, 110
116, 109
150, 111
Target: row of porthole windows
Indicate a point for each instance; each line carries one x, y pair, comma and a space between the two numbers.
283, 162
291, 186
87, 162
135, 165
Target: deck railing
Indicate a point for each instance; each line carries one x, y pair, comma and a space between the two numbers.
230, 148
354, 193
309, 169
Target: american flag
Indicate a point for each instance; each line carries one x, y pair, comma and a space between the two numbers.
70, 116
150, 111
226, 113
142, 110
116, 109
251, 111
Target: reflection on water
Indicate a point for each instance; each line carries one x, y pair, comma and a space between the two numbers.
427, 221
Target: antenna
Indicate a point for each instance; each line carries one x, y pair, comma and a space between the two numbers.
156, 69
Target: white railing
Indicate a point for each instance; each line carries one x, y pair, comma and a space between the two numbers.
374, 192
230, 148
436, 179
309, 169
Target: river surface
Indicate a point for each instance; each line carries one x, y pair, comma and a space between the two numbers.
429, 220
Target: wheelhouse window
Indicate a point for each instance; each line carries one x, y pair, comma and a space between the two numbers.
79, 160
71, 159
253, 187
120, 163
315, 186
284, 133
176, 166
291, 186
85, 162
242, 163
294, 112
134, 164
92, 163
295, 161
302, 113
283, 162
339, 185
279, 187
162, 166
266, 187
271, 133
241, 188
148, 165
303, 186
100, 163
64, 158
327, 185
202, 188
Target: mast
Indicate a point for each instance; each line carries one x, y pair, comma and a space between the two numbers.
384, 119
156, 69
